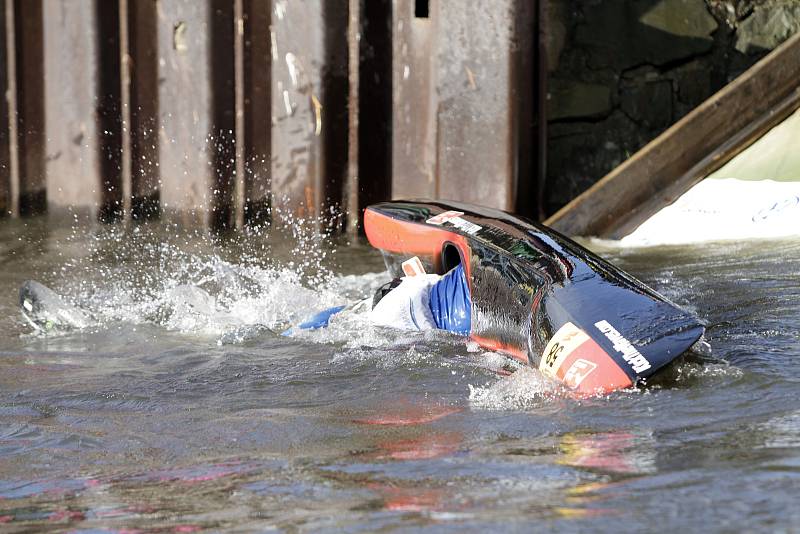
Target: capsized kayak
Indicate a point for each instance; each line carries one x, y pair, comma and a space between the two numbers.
538, 296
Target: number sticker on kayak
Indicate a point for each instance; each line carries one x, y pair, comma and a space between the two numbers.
568, 338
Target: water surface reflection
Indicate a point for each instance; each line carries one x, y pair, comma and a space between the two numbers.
158, 420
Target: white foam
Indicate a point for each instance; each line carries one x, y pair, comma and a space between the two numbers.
724, 209
525, 388
178, 279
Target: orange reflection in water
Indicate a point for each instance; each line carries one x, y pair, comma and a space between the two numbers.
411, 498
409, 415
614, 452
424, 447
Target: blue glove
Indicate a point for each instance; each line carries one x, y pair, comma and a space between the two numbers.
450, 303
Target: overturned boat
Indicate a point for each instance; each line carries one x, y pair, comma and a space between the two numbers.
537, 296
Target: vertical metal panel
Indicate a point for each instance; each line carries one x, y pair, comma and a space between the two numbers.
125, 66
477, 110
196, 130
141, 64
238, 52
29, 62
526, 196
257, 111
11, 95
414, 113
70, 89
375, 102
309, 99
108, 107
351, 185
184, 97
223, 110
5, 146
461, 118
253, 128
297, 44
335, 91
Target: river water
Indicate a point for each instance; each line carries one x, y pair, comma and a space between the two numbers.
176, 411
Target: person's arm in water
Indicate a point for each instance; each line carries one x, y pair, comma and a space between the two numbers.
421, 302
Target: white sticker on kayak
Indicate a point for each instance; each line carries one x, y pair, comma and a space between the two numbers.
578, 371
629, 353
442, 217
464, 225
454, 218
563, 343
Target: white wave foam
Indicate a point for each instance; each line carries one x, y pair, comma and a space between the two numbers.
724, 209
525, 388
189, 282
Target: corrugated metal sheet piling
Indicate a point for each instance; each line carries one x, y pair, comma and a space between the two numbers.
462, 114
216, 112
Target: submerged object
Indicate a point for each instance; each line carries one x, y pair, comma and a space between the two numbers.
537, 296
45, 310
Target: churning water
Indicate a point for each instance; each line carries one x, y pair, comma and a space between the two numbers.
181, 407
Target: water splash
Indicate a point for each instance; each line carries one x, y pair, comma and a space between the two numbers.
190, 282
525, 388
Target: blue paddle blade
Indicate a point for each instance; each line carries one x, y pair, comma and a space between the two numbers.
318, 320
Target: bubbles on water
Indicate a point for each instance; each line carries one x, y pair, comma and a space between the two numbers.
780, 432
702, 347
690, 373
391, 358
525, 388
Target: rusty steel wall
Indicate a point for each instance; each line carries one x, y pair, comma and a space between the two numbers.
139, 102
73, 175
225, 113
462, 115
5, 145
30, 119
309, 103
207, 110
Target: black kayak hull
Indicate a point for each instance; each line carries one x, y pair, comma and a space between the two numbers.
538, 296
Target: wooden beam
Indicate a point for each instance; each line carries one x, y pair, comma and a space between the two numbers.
701, 142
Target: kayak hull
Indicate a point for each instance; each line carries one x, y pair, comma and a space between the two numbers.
537, 296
